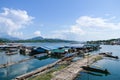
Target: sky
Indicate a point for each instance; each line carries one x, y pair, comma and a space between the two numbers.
79, 20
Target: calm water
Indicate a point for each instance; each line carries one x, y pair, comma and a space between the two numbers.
24, 67
107, 63
15, 70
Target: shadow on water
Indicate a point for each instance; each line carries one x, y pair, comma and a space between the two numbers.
89, 74
94, 74
95, 69
11, 72
43, 57
112, 59
111, 64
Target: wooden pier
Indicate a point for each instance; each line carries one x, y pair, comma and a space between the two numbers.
70, 72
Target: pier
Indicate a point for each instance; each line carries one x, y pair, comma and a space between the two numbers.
70, 72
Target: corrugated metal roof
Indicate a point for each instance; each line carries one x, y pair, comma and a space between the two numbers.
58, 51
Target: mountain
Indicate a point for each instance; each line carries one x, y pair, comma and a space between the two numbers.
8, 37
36, 38
41, 39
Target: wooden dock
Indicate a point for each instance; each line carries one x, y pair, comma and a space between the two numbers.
70, 72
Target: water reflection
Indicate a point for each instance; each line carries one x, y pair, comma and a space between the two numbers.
111, 64
11, 72
19, 69
94, 74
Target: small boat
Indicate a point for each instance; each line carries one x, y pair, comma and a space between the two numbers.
109, 54
116, 57
106, 53
88, 68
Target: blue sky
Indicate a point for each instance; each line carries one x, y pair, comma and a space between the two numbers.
65, 19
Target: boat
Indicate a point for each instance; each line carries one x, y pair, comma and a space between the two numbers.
109, 54
88, 68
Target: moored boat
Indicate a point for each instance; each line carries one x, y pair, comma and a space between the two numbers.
88, 68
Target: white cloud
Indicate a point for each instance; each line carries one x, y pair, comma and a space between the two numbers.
37, 33
90, 22
70, 33
12, 20
89, 27
76, 30
57, 35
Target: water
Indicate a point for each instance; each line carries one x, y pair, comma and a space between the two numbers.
18, 69
24, 67
49, 45
112, 65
